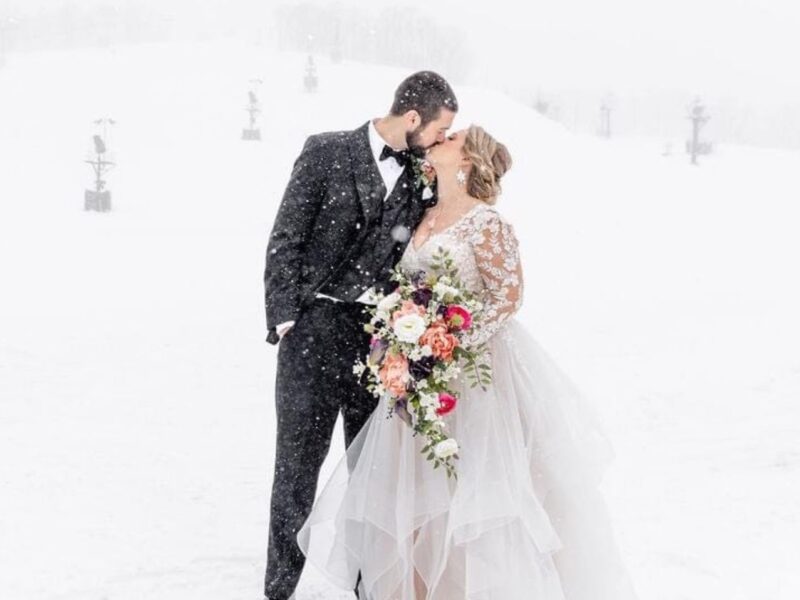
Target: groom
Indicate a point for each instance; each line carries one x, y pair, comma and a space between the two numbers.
345, 219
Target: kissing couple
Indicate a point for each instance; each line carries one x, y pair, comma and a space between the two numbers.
524, 519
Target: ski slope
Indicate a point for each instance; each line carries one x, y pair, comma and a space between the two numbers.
136, 410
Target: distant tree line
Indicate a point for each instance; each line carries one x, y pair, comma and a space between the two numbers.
75, 25
399, 36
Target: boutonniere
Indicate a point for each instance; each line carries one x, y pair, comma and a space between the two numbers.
424, 176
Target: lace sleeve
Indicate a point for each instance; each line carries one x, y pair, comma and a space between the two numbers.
497, 257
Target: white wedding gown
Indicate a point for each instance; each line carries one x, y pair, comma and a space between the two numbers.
524, 520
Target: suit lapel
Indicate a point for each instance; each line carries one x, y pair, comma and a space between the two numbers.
369, 183
418, 205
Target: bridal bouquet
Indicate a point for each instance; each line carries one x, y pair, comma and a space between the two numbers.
416, 352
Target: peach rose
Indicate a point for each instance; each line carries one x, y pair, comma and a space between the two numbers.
394, 374
441, 342
408, 307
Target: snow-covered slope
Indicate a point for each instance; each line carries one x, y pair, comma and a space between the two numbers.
136, 417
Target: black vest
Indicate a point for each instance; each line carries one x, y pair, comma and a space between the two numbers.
372, 261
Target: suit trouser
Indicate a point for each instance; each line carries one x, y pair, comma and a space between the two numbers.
314, 382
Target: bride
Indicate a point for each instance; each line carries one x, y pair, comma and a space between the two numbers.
524, 519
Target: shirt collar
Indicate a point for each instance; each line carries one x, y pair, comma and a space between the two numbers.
376, 142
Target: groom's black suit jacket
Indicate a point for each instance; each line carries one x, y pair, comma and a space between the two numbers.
332, 212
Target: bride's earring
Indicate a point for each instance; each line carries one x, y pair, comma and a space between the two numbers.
461, 177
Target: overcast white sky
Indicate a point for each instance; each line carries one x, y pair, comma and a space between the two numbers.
742, 47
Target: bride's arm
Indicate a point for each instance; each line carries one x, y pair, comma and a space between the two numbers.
497, 255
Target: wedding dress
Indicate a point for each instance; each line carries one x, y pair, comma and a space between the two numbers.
524, 520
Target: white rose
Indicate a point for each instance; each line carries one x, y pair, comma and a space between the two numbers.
445, 448
409, 328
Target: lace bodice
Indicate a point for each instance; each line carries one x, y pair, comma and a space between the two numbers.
485, 249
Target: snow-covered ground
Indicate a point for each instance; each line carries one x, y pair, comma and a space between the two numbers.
136, 415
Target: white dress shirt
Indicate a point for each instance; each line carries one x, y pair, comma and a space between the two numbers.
390, 171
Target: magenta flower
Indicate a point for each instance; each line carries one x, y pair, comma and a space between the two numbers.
446, 403
458, 317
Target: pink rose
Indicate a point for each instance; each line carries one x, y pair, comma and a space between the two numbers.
446, 403
458, 317
408, 307
394, 374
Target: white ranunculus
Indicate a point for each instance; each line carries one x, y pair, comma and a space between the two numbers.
389, 302
442, 289
445, 448
409, 328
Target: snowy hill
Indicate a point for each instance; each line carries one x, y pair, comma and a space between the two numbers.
136, 417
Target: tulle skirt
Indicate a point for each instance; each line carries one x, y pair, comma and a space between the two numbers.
524, 519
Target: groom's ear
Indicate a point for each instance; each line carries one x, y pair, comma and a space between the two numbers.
413, 119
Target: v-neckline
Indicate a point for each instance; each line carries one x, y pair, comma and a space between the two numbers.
453, 224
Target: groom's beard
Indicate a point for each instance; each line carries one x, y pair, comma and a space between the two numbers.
414, 144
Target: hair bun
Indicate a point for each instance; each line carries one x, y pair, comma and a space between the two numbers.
501, 160
490, 161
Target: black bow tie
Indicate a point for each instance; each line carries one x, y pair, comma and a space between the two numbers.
401, 156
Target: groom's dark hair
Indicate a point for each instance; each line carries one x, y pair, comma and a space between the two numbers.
425, 92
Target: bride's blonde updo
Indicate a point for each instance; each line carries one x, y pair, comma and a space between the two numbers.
490, 160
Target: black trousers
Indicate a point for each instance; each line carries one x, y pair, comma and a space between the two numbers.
314, 382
